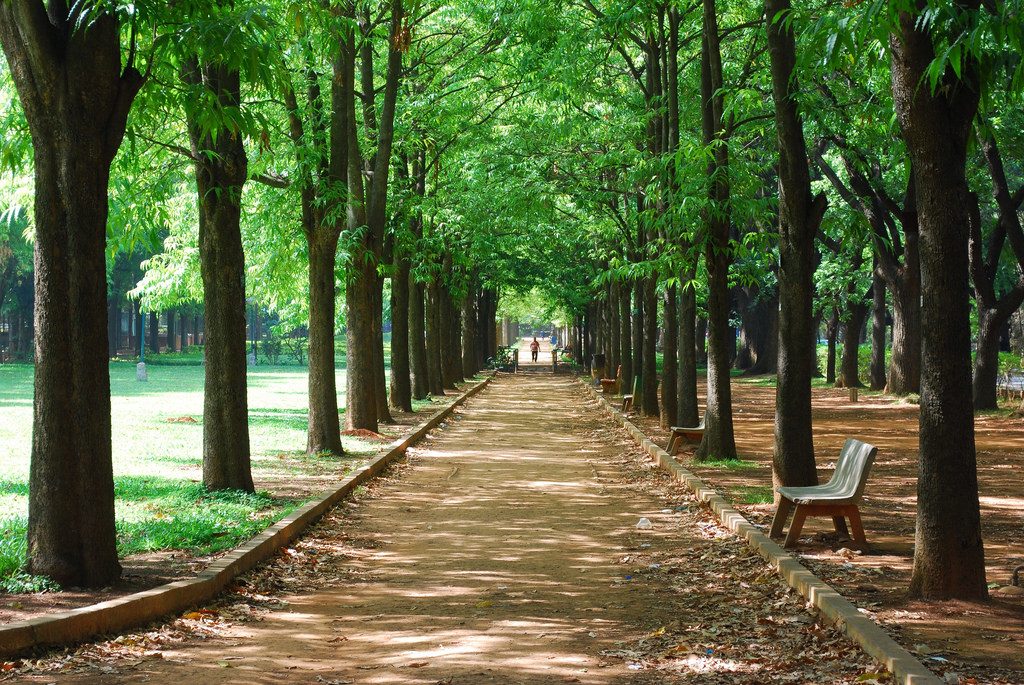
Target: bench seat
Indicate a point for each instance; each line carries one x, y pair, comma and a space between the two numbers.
688, 433
839, 498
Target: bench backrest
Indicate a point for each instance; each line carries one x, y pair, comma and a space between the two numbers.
637, 384
853, 467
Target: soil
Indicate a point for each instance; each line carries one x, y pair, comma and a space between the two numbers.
292, 478
510, 547
980, 640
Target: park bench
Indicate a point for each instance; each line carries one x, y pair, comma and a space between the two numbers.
837, 498
627, 400
610, 386
688, 433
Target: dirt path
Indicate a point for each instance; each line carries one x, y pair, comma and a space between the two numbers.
505, 550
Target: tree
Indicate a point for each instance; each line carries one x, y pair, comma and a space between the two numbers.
76, 93
936, 121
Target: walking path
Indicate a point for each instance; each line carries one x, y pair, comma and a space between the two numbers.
506, 550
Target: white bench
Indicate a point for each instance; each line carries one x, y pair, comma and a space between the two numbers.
838, 498
688, 433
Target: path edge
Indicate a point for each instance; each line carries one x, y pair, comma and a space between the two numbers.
906, 668
140, 608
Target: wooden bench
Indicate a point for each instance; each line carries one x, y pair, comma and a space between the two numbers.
627, 400
838, 498
688, 433
610, 386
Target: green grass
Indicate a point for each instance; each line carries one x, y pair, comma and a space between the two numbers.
159, 500
730, 464
752, 494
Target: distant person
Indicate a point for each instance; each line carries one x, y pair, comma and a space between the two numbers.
534, 349
554, 340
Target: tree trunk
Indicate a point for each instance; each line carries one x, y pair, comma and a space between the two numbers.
221, 171
700, 339
878, 314
625, 337
637, 342
324, 430
445, 341
417, 342
831, 333
800, 215
361, 396
759, 314
137, 327
435, 371
380, 383
718, 441
949, 557
113, 326
849, 372
154, 333
401, 387
172, 330
76, 101
650, 343
469, 367
670, 351
905, 360
687, 412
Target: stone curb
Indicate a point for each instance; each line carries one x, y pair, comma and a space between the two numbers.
77, 625
840, 611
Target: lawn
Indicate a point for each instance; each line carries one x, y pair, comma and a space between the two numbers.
157, 454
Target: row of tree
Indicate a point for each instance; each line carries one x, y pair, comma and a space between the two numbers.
653, 168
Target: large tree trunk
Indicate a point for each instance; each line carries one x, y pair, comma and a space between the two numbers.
637, 341
154, 333
446, 343
469, 321
418, 342
831, 333
360, 397
401, 387
221, 171
878, 314
700, 340
172, 330
905, 360
670, 367
649, 405
800, 215
687, 413
613, 356
113, 326
849, 368
949, 557
435, 370
625, 337
324, 430
380, 383
759, 333
718, 441
76, 100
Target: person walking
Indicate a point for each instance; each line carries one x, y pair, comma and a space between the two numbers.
534, 349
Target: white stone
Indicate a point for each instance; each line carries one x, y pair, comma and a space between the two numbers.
140, 372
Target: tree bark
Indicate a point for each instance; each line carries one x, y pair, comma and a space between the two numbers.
76, 99
380, 383
687, 411
650, 342
670, 367
718, 441
154, 333
221, 170
417, 342
625, 337
849, 368
800, 215
878, 314
469, 320
949, 558
446, 342
401, 387
324, 430
637, 342
613, 355
435, 371
831, 333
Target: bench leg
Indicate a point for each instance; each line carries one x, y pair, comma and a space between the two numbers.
673, 445
858, 528
796, 526
840, 524
781, 514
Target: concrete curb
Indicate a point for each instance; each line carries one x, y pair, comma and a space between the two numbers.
843, 614
140, 608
